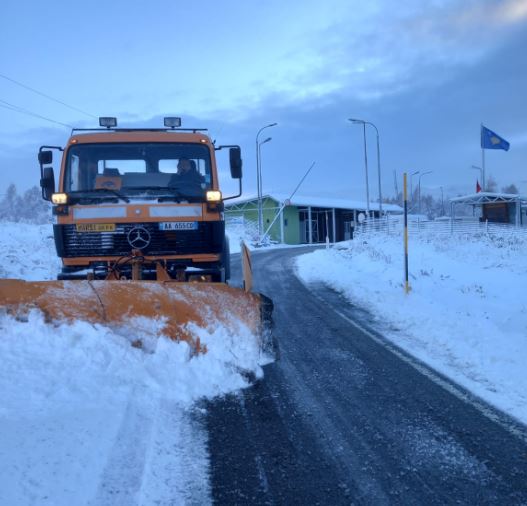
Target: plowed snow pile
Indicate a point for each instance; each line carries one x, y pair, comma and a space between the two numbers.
86, 418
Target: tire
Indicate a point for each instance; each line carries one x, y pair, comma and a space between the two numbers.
218, 276
222, 272
226, 259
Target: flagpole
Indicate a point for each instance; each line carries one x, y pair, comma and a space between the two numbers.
483, 167
482, 160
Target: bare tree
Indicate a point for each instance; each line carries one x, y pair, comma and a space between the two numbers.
29, 207
512, 188
491, 185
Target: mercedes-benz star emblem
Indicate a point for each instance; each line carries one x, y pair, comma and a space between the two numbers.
138, 238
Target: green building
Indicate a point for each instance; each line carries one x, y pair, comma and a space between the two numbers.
302, 220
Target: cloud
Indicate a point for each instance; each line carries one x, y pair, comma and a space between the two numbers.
426, 74
386, 51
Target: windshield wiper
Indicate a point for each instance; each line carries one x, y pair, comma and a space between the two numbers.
114, 192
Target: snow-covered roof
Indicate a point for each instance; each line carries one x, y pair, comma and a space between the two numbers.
486, 197
323, 202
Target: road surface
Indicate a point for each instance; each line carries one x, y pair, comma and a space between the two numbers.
344, 418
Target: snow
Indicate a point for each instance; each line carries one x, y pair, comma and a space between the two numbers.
466, 313
322, 202
86, 418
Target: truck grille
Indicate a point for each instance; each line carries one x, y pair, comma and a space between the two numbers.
181, 242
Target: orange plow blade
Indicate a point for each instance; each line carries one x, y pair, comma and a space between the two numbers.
176, 304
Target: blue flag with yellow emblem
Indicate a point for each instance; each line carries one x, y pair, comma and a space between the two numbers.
491, 140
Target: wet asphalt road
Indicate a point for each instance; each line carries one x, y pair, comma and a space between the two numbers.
342, 419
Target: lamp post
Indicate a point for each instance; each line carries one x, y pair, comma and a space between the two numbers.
359, 121
420, 176
411, 186
364, 123
442, 203
260, 189
259, 179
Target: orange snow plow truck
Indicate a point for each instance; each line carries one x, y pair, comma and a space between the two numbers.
139, 225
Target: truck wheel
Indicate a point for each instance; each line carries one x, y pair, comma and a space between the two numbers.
226, 259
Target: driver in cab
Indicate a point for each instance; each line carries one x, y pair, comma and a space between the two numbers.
187, 172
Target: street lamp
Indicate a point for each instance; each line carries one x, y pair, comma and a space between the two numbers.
260, 188
420, 176
259, 179
411, 186
442, 202
364, 123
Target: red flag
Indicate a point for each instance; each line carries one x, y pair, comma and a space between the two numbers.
478, 187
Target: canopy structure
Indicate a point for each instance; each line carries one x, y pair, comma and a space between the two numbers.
302, 219
483, 198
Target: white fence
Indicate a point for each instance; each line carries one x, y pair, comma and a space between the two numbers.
391, 225
242, 227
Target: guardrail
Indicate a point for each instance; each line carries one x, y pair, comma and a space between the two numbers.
390, 225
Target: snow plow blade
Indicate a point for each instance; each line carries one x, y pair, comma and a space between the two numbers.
178, 305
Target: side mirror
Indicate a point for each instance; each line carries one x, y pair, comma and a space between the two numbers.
235, 158
48, 181
45, 157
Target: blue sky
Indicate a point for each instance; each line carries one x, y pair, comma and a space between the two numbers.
427, 74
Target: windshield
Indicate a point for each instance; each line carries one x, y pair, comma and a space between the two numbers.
138, 169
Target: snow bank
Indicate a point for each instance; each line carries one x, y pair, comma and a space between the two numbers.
238, 233
465, 316
29, 252
86, 418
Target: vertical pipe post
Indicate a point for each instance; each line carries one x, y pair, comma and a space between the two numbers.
281, 211
483, 182
260, 195
310, 230
379, 171
366, 171
258, 201
334, 225
327, 230
406, 284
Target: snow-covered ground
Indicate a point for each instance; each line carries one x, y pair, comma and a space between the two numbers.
466, 314
86, 418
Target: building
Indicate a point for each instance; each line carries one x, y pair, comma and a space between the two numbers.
303, 220
495, 207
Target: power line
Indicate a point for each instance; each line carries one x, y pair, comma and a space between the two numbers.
47, 96
16, 108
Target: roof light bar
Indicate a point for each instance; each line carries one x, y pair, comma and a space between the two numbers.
172, 122
108, 122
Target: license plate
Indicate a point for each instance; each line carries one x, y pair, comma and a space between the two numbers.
178, 225
95, 227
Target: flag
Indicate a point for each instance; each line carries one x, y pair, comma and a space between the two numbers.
491, 140
478, 187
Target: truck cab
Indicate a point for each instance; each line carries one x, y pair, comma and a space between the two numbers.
139, 203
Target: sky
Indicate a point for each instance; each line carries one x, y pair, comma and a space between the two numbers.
427, 74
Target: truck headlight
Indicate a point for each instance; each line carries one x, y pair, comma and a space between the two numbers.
59, 198
213, 196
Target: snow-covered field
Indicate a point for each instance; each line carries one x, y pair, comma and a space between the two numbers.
466, 314
86, 418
